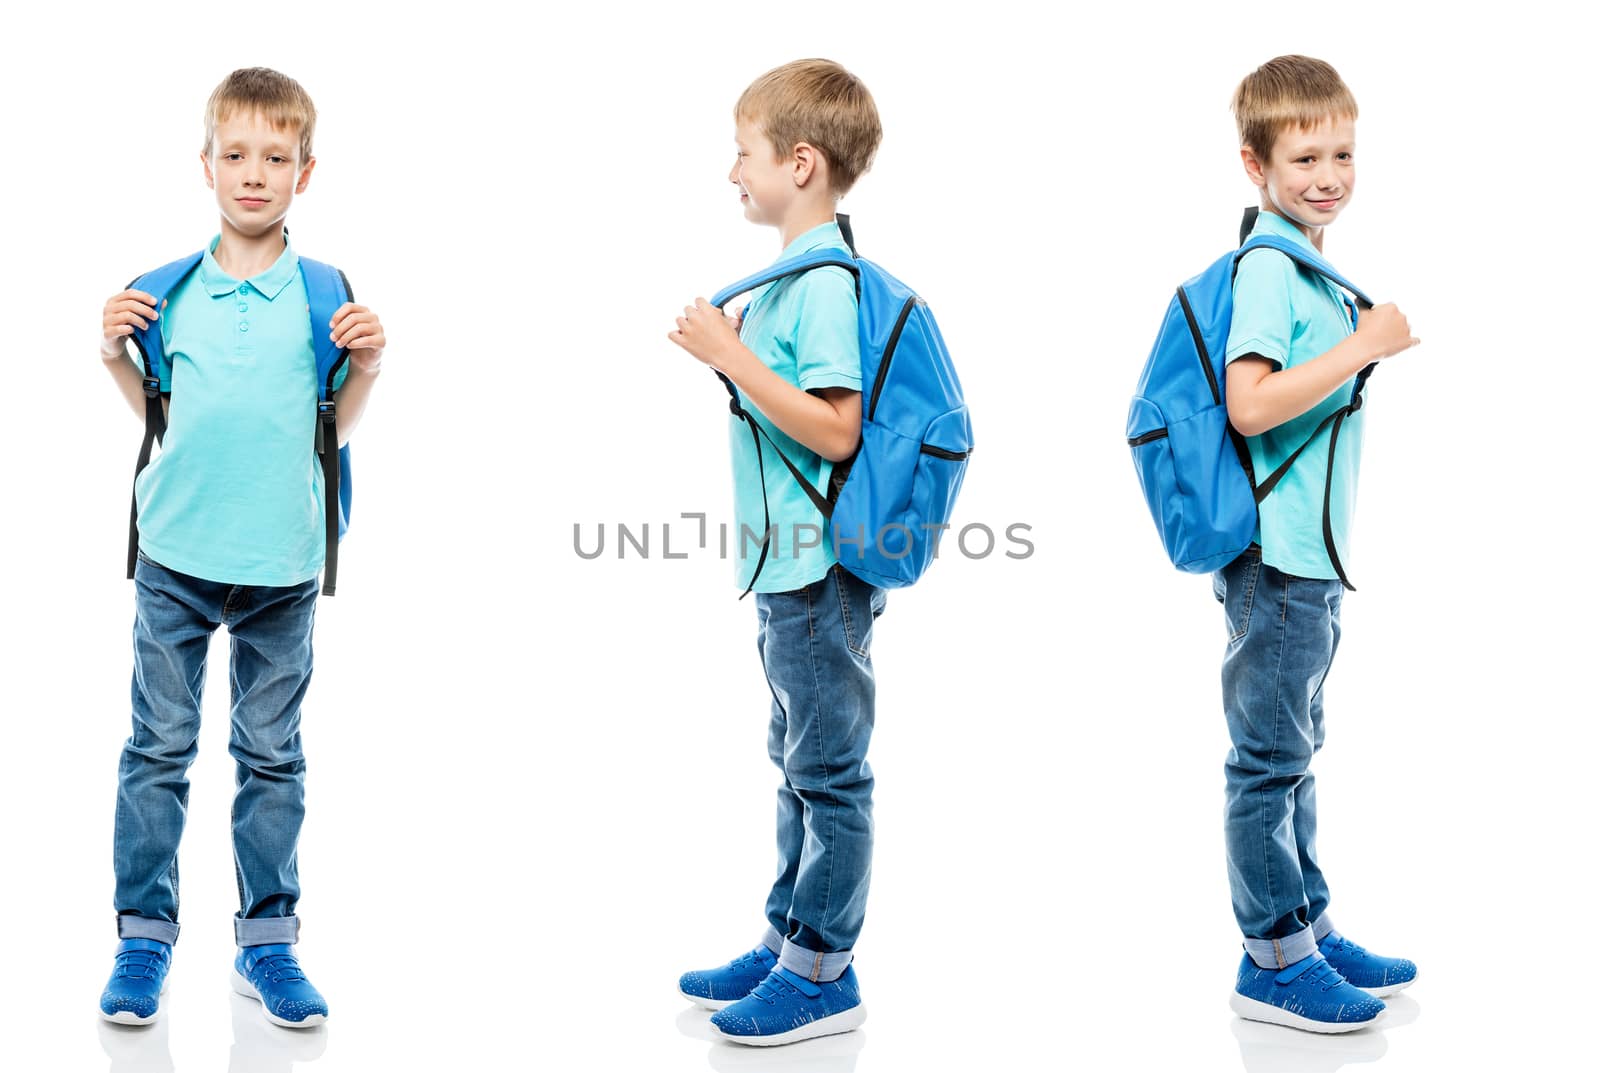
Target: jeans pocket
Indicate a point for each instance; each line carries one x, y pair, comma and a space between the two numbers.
847, 585
1235, 589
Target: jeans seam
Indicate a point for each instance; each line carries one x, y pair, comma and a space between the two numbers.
822, 763
1272, 755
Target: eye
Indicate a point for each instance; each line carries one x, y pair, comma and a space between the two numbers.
1305, 160
1346, 157
276, 159
233, 156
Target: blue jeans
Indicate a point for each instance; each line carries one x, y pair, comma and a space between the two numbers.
270, 631
1282, 634
815, 646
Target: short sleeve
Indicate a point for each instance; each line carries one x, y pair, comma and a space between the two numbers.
1263, 314
827, 342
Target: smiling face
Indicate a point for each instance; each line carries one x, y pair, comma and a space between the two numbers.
766, 181
255, 170
1310, 174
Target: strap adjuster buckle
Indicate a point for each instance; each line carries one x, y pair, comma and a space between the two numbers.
152, 386
327, 412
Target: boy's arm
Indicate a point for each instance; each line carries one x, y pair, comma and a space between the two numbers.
1260, 399
827, 421
357, 329
123, 311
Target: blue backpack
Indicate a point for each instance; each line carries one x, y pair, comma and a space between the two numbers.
327, 290
1194, 467
886, 503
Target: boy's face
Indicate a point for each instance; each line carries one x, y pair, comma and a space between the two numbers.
766, 181
255, 169
1311, 173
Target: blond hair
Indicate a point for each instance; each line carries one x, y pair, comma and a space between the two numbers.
1286, 93
279, 99
822, 104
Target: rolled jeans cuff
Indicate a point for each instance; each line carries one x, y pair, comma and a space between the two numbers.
772, 940
263, 930
1281, 953
1321, 928
130, 926
814, 965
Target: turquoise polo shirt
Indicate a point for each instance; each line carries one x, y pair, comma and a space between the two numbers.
1289, 316
235, 495
805, 329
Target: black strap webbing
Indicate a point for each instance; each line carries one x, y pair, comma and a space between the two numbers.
1335, 420
155, 430
818, 500
328, 448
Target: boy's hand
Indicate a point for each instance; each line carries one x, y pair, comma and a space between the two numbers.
707, 333
1385, 329
356, 328
124, 311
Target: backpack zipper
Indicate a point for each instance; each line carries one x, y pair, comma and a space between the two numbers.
940, 452
1147, 437
888, 353
1200, 345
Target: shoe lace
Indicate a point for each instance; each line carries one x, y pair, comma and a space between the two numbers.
759, 956
773, 988
1342, 944
138, 964
1318, 973
279, 968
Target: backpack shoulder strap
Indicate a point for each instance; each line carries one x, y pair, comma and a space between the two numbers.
1303, 257
326, 290
1310, 260
158, 283
792, 266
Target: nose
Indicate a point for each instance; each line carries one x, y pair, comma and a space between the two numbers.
733, 173
1327, 176
253, 173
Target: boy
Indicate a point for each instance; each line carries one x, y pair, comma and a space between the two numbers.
230, 524
1291, 360
805, 131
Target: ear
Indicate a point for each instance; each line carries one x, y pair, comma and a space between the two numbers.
1252, 166
806, 160
305, 176
205, 162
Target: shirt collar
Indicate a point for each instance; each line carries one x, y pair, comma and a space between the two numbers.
822, 236
270, 283
1270, 223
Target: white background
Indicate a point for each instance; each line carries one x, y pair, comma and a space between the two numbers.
538, 785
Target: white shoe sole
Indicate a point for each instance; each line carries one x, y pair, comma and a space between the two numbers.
245, 988
832, 1025
708, 1003
1255, 1010
128, 1017
1381, 992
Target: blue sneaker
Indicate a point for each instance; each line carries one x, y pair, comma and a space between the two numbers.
715, 988
271, 975
133, 994
787, 1008
1376, 975
1310, 995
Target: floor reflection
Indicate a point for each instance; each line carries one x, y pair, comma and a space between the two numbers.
261, 1047
137, 1048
